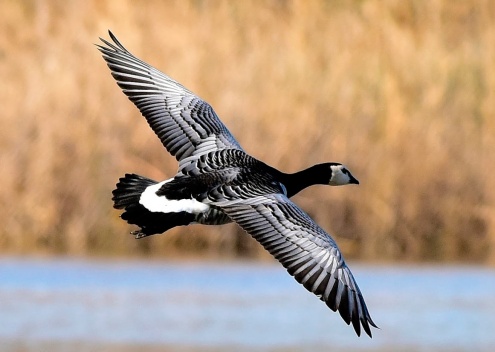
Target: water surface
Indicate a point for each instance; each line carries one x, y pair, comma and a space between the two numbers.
88, 305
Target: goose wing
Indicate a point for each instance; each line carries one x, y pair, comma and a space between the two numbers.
186, 125
305, 250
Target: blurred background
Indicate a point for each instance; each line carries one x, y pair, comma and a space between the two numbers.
402, 92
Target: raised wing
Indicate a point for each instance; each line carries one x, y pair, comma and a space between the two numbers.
186, 125
305, 250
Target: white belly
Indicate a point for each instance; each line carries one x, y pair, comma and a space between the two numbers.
160, 204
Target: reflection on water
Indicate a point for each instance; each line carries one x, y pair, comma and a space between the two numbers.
68, 305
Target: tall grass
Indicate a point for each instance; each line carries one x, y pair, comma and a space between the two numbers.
402, 92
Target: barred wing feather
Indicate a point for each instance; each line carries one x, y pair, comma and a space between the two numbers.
305, 250
186, 125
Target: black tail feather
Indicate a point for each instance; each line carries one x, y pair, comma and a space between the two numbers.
127, 195
129, 190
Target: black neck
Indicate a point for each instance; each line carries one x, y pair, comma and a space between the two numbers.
315, 175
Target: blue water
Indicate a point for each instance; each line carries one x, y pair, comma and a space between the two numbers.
88, 305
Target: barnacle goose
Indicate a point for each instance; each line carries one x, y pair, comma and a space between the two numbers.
217, 182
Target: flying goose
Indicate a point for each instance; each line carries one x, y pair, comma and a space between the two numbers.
218, 182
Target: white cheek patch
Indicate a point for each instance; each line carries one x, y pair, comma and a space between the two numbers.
160, 204
342, 179
338, 177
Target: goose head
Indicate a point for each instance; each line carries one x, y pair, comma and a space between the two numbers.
340, 175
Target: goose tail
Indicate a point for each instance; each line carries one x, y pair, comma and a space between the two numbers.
127, 196
129, 190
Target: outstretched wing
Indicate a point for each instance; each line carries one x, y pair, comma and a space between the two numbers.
186, 125
305, 250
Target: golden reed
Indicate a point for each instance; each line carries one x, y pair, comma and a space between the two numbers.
402, 92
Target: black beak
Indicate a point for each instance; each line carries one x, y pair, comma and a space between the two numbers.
353, 180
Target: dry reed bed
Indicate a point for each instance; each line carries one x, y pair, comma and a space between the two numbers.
402, 92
